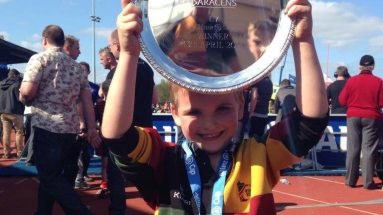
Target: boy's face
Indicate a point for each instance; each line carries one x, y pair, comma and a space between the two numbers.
258, 42
209, 120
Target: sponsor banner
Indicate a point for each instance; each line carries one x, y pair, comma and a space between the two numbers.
330, 150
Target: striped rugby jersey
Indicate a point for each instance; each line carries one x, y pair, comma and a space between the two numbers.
157, 168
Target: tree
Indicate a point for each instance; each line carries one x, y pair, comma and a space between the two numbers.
163, 90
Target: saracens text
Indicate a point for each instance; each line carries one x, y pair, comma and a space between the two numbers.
215, 3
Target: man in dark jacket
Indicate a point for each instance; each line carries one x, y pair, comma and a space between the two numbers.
334, 89
12, 111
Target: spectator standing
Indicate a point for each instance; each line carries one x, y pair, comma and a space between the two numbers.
145, 94
108, 60
259, 106
146, 77
259, 38
93, 87
53, 84
72, 49
28, 147
12, 113
363, 97
284, 100
333, 90
113, 183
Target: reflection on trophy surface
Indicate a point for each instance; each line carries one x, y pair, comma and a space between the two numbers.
213, 38
200, 41
260, 35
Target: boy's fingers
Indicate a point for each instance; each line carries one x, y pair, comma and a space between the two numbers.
124, 3
291, 7
131, 8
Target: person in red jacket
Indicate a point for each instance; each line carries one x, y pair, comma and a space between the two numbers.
363, 97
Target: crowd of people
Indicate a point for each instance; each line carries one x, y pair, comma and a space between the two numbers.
223, 136
63, 114
161, 108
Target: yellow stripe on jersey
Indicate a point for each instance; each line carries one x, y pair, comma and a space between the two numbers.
144, 147
253, 174
279, 155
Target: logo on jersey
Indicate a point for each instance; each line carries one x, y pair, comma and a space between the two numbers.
244, 191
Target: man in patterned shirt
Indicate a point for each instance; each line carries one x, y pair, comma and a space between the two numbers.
53, 85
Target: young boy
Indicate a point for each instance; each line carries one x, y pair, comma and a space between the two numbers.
183, 179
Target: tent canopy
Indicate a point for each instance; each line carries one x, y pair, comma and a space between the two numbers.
12, 54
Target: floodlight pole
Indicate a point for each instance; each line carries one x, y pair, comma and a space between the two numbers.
94, 19
281, 70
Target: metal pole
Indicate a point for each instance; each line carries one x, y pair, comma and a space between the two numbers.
281, 71
94, 41
94, 19
328, 59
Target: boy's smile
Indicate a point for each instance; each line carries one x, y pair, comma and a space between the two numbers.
208, 120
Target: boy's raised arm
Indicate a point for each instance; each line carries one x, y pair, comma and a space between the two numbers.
119, 106
311, 94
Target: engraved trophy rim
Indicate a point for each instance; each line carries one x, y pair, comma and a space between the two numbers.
222, 84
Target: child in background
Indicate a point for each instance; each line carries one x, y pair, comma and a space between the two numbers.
102, 151
209, 173
113, 183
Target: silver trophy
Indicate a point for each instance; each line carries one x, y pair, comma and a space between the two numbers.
215, 46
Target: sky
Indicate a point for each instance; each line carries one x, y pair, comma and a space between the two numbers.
343, 30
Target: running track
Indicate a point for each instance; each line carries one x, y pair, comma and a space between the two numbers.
304, 195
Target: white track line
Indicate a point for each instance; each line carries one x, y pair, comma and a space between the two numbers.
335, 182
315, 200
321, 179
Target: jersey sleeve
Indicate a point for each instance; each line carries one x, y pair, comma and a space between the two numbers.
292, 138
139, 155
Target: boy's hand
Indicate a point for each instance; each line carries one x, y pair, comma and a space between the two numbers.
300, 10
129, 25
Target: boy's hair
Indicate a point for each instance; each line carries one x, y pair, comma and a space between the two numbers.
70, 40
263, 26
174, 88
54, 34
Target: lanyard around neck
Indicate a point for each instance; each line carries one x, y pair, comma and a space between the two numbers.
195, 179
